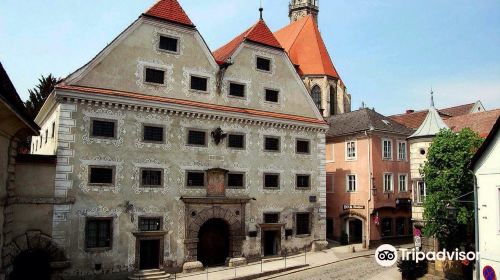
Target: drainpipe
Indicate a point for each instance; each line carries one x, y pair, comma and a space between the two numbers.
476, 228
368, 219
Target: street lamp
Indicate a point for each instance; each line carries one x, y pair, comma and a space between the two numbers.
451, 211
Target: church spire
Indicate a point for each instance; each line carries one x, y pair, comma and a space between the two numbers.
302, 8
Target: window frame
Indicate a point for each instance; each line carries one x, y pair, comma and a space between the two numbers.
115, 129
406, 182
113, 175
46, 135
141, 183
237, 134
149, 218
418, 196
271, 174
207, 79
382, 227
265, 58
332, 176
309, 181
195, 187
405, 150
236, 187
332, 152
391, 190
170, 37
265, 95
110, 220
308, 146
271, 213
244, 97
296, 227
279, 144
347, 183
347, 157
53, 130
196, 130
152, 141
384, 140
157, 69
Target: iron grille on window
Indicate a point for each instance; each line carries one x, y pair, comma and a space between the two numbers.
303, 181
155, 76
153, 133
103, 128
272, 95
303, 146
236, 141
149, 224
101, 175
237, 90
98, 233
168, 43
198, 83
195, 179
235, 180
263, 64
196, 137
151, 178
302, 223
272, 144
271, 218
271, 181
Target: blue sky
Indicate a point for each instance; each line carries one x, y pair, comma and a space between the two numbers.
389, 53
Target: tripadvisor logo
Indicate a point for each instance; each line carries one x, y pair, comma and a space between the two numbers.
386, 255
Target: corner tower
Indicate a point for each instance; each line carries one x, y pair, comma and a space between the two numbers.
302, 8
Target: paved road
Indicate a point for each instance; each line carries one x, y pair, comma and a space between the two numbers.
355, 269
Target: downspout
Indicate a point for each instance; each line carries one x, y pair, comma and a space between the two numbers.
370, 186
476, 228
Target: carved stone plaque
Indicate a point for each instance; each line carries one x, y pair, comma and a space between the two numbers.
216, 182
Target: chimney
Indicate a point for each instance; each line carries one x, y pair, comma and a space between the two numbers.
409, 111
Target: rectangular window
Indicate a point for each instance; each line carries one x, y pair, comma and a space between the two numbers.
53, 129
199, 83
388, 182
46, 135
272, 95
403, 182
98, 233
420, 193
351, 183
271, 218
350, 150
330, 152
101, 128
151, 178
153, 133
271, 181
330, 182
302, 146
302, 223
236, 141
386, 149
149, 224
197, 138
195, 179
155, 76
263, 64
401, 150
303, 181
271, 144
101, 175
237, 90
236, 180
168, 44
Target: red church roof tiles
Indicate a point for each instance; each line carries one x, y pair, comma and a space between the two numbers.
169, 10
305, 47
258, 33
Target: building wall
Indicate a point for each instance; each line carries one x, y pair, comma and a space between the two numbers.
46, 142
488, 185
343, 98
417, 162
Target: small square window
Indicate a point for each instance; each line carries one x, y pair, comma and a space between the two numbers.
271, 181
101, 175
302, 223
271, 144
271, 218
153, 133
302, 146
236, 141
101, 128
303, 181
199, 83
272, 95
236, 180
195, 179
236, 90
98, 233
197, 138
263, 64
168, 44
155, 76
151, 178
149, 224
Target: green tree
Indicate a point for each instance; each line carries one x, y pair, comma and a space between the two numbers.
448, 180
39, 94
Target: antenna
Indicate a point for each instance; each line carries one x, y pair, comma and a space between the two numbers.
432, 98
261, 9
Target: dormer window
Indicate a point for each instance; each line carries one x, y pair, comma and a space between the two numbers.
237, 90
169, 44
263, 64
272, 95
199, 83
155, 76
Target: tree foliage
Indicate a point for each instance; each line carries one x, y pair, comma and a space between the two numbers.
39, 94
449, 182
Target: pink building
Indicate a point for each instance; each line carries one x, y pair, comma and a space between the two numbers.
368, 175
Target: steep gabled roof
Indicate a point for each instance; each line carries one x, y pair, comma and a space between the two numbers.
259, 33
458, 110
480, 122
169, 10
306, 48
363, 120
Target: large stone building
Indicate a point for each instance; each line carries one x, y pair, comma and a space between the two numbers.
176, 155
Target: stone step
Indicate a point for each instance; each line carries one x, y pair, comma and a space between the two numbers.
150, 274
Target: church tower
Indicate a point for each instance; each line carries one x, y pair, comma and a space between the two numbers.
302, 8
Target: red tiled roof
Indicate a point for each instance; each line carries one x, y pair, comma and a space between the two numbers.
258, 33
415, 119
169, 10
458, 110
480, 122
306, 48
189, 103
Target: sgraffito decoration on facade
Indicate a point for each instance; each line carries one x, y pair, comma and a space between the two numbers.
154, 164
199, 71
100, 160
159, 65
168, 33
105, 114
152, 119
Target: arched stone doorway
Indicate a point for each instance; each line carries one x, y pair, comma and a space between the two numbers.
213, 244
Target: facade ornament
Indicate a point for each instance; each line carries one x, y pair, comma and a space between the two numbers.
218, 135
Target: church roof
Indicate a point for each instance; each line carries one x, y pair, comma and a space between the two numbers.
259, 33
306, 48
169, 10
432, 124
